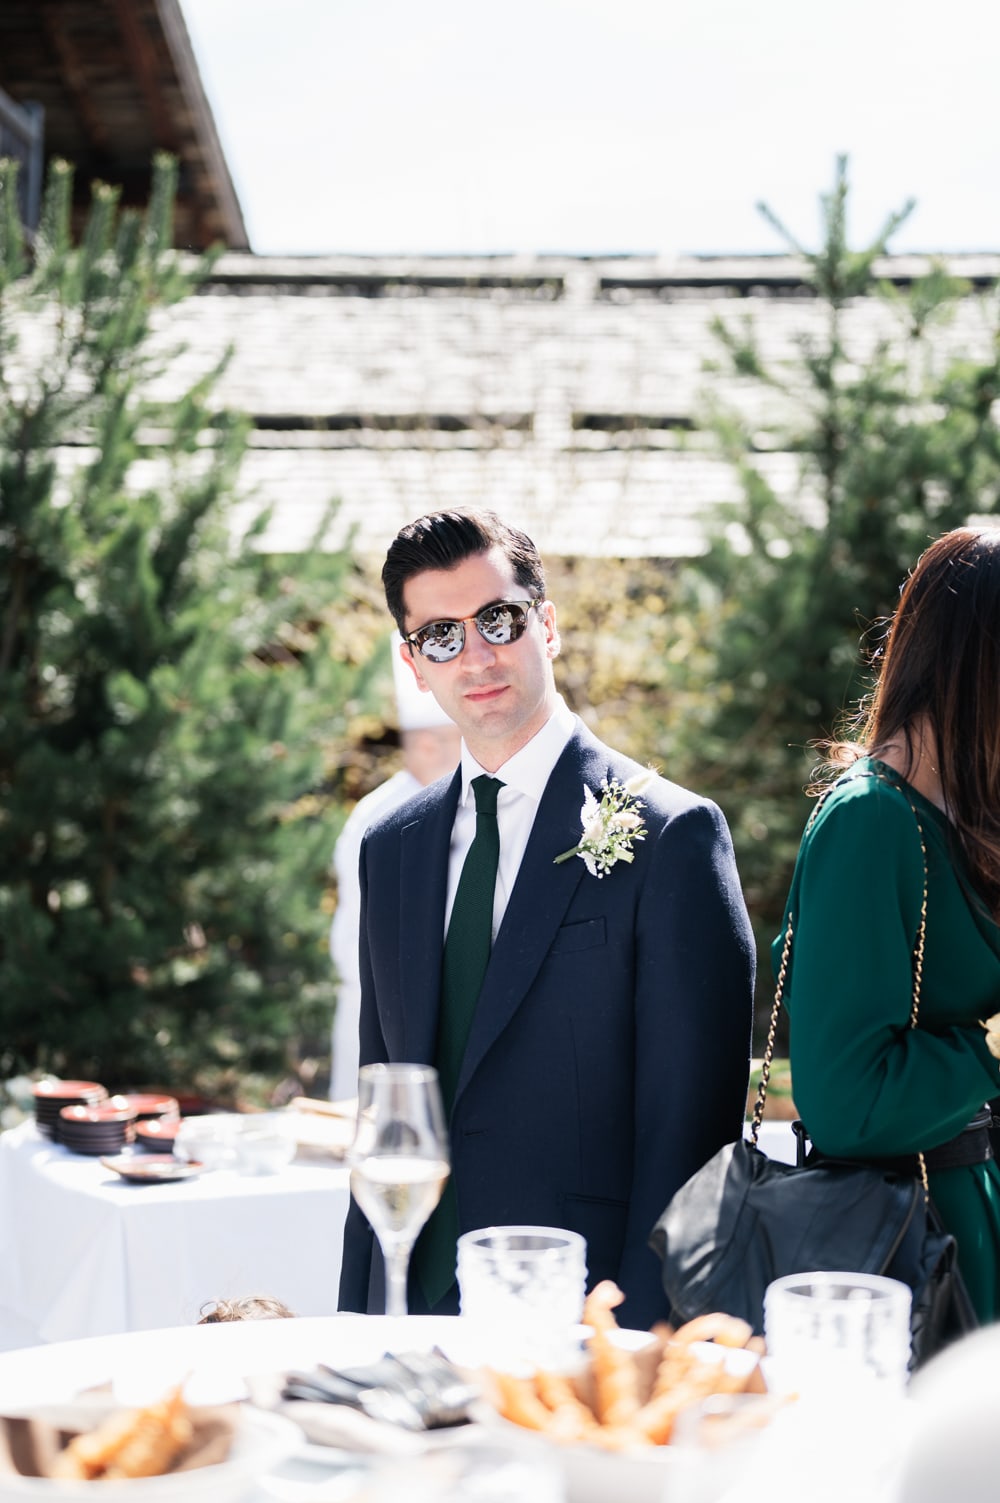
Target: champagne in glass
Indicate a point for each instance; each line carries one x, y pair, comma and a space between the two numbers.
398, 1161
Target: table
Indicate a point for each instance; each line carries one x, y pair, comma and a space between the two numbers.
85, 1253
141, 1365
215, 1360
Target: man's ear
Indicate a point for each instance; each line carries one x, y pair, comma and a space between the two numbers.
412, 661
552, 640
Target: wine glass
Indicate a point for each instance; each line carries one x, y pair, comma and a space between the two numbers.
399, 1162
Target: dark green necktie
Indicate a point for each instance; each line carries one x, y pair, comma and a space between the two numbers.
466, 956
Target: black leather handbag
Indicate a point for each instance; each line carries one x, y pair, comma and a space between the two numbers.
744, 1220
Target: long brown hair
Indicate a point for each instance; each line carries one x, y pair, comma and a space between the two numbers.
940, 658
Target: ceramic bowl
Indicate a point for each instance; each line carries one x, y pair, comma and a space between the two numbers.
262, 1441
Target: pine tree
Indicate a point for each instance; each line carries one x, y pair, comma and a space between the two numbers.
896, 441
165, 688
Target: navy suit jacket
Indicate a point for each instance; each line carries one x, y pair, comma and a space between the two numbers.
609, 1053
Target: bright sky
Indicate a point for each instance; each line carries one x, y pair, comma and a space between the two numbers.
591, 126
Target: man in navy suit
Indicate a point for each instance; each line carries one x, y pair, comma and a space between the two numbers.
608, 1053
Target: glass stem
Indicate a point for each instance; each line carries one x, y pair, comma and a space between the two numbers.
397, 1263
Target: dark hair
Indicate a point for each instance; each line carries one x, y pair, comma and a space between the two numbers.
250, 1307
445, 539
939, 658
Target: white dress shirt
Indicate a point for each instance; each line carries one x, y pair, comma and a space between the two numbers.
524, 777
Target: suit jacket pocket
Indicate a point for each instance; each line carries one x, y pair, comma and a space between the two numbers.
585, 935
601, 1222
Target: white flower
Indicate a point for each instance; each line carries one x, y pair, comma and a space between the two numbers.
623, 820
611, 825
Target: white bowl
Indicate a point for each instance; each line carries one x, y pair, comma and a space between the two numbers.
261, 1442
652, 1474
265, 1143
591, 1475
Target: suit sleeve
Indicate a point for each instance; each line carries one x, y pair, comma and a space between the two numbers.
358, 1236
695, 963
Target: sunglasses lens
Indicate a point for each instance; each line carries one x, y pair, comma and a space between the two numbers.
502, 623
441, 641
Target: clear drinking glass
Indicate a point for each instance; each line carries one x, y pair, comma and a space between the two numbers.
838, 1331
399, 1162
524, 1288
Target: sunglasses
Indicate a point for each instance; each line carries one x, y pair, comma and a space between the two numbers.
498, 624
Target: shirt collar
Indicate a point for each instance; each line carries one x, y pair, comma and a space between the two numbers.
529, 769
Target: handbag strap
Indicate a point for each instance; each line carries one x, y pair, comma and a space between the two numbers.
786, 951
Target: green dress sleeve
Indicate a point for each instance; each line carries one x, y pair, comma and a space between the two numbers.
864, 1081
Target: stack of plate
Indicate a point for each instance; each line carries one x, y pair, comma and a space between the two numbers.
52, 1095
157, 1133
148, 1107
95, 1129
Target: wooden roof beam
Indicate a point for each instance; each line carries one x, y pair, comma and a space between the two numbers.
74, 73
179, 42
145, 65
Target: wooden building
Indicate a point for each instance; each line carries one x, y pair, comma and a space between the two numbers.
569, 393
113, 82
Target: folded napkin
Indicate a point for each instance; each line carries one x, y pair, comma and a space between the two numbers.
322, 1129
388, 1406
333, 1425
322, 1108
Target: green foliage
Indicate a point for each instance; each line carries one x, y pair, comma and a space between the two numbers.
896, 441
165, 690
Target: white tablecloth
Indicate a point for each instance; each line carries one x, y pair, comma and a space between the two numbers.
818, 1463
213, 1362
214, 1358
84, 1253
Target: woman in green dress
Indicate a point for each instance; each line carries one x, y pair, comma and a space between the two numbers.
922, 773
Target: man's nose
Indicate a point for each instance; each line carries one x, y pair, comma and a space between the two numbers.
477, 652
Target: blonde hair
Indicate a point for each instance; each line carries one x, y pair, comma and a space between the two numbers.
250, 1307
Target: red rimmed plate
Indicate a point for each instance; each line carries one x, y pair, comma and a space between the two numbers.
145, 1106
52, 1095
157, 1132
151, 1168
68, 1090
104, 1112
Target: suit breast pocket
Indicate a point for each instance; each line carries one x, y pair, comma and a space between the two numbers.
586, 935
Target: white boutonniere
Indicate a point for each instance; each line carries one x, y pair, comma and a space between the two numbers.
611, 825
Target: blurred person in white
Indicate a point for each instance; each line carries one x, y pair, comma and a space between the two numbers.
431, 745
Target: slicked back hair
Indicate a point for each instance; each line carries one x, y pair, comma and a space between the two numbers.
445, 539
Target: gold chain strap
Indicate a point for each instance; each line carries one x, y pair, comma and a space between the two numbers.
918, 980
918, 971
765, 1069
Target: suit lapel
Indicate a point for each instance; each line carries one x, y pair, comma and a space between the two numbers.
425, 845
541, 896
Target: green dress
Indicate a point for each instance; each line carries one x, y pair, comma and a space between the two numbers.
864, 1082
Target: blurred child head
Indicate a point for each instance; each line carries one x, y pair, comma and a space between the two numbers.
250, 1307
